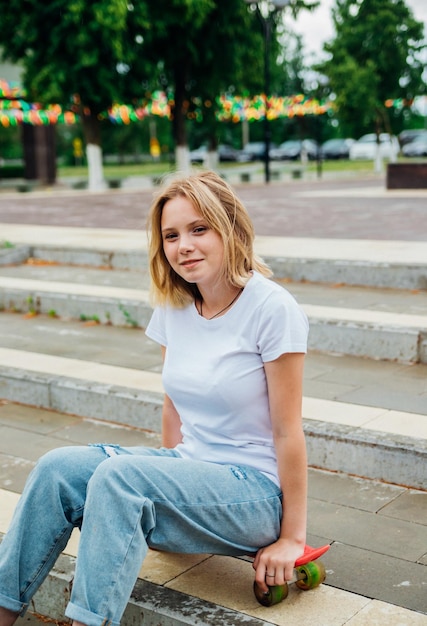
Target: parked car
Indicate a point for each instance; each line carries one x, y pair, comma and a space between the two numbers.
336, 148
366, 147
225, 153
198, 155
417, 147
228, 153
292, 150
254, 151
407, 136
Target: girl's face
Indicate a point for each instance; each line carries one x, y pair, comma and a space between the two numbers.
192, 248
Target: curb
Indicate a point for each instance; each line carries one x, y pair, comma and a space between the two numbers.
372, 334
122, 405
149, 605
14, 255
370, 454
357, 273
107, 310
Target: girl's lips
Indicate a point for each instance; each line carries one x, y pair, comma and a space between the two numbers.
190, 263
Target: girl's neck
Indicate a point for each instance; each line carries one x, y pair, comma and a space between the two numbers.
211, 306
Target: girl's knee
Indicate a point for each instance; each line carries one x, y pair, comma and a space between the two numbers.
56, 460
119, 475
112, 470
66, 461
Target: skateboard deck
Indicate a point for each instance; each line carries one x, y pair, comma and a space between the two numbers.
309, 573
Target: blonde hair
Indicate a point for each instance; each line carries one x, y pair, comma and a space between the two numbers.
216, 202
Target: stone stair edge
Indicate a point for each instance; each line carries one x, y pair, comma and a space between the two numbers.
124, 239
39, 288
281, 253
144, 383
159, 605
108, 253
369, 273
332, 446
359, 332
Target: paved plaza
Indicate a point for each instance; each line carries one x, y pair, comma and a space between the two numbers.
355, 208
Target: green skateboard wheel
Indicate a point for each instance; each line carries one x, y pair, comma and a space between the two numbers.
274, 595
313, 575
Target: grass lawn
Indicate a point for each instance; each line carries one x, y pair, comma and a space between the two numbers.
117, 171
159, 169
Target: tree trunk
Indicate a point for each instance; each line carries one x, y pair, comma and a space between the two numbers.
92, 133
39, 153
182, 157
378, 161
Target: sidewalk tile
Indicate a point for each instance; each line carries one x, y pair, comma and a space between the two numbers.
374, 575
378, 613
14, 472
228, 582
392, 537
96, 431
22, 444
400, 423
354, 492
410, 505
33, 419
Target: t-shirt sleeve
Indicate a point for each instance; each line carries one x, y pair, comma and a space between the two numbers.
156, 329
283, 327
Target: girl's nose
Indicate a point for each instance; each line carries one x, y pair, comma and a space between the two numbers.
185, 244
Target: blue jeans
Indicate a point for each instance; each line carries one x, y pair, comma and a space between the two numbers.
125, 500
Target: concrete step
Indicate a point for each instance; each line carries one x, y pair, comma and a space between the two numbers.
392, 385
397, 264
376, 429
375, 331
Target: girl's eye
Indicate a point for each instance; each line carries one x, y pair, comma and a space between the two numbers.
200, 229
170, 236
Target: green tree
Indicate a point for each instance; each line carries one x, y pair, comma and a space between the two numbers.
199, 57
375, 56
222, 50
92, 54
76, 53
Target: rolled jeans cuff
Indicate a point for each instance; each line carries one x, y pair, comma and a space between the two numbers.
13, 605
84, 616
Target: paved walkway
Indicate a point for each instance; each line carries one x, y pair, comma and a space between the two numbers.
345, 208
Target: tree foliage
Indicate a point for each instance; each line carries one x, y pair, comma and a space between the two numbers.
202, 55
375, 56
105, 51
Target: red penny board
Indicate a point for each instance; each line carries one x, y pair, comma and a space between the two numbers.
311, 554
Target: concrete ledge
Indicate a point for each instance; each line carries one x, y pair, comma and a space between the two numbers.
362, 339
113, 259
14, 255
117, 404
355, 448
107, 305
357, 332
163, 606
149, 605
347, 272
367, 273
325, 260
371, 454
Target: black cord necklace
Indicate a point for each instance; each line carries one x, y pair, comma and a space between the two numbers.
222, 310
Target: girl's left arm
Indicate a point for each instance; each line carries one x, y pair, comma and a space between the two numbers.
284, 381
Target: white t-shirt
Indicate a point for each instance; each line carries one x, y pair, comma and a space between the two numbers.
214, 374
